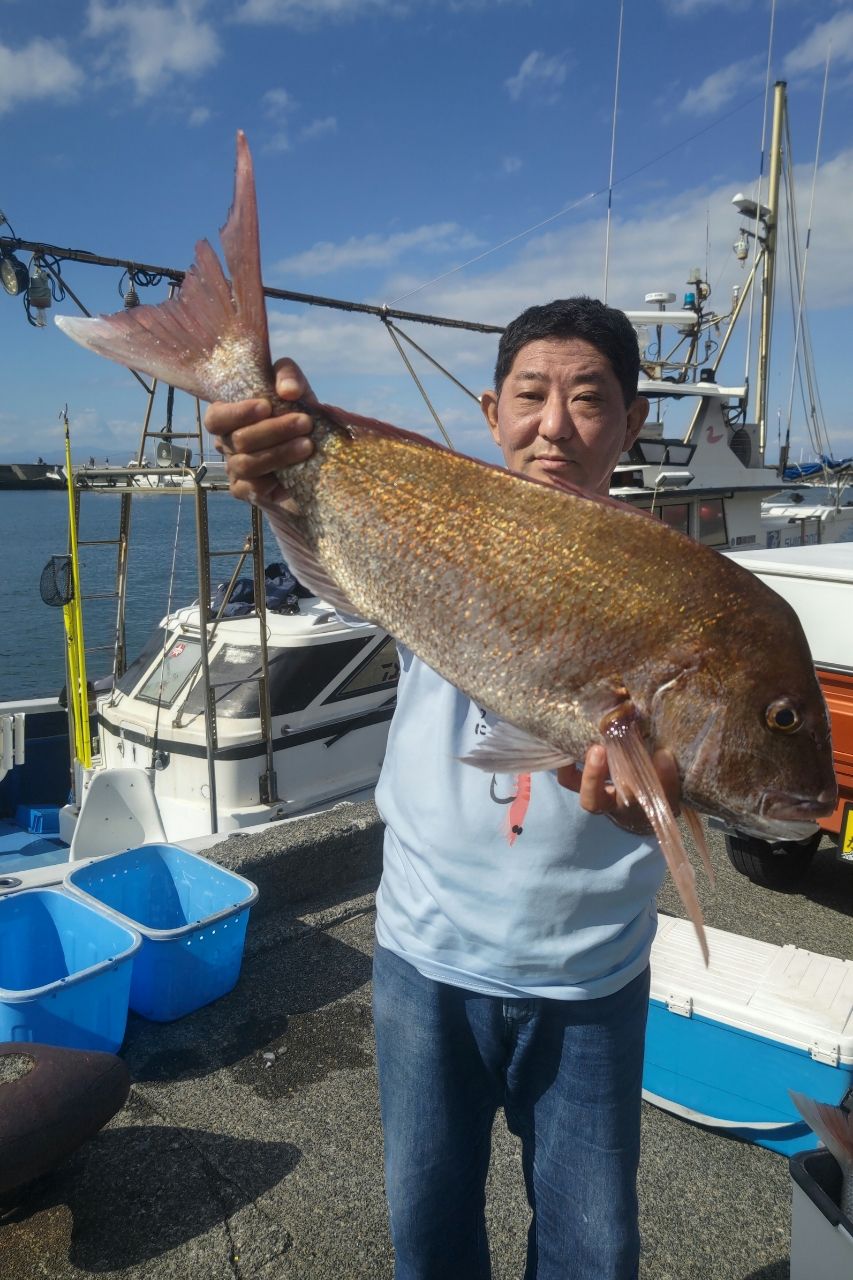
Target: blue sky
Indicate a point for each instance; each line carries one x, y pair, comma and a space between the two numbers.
397, 143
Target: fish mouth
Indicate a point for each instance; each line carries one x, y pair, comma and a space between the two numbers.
781, 806
782, 816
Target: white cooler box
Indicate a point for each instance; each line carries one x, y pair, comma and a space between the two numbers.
725, 1044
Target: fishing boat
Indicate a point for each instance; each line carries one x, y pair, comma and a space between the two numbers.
711, 479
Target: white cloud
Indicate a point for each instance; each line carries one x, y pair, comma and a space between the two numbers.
687, 8
277, 101
376, 250
278, 105
318, 128
199, 116
152, 43
41, 69
510, 164
811, 54
722, 87
536, 76
301, 13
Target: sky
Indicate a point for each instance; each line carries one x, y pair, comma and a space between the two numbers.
451, 157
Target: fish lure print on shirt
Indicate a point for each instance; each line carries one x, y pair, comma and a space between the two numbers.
571, 617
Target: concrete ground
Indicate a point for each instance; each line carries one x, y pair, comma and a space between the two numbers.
250, 1146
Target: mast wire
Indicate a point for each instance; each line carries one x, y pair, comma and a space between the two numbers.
613, 149
801, 274
755, 248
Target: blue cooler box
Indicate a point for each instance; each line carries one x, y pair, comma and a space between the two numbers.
725, 1044
191, 913
65, 971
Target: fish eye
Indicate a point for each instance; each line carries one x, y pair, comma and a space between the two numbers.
783, 716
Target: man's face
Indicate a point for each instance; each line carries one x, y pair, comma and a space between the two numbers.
561, 415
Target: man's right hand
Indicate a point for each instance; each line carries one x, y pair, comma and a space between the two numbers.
255, 444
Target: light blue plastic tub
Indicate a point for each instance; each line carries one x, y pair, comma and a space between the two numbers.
65, 971
191, 913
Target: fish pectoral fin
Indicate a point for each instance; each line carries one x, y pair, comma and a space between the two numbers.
303, 561
832, 1124
694, 826
635, 777
507, 749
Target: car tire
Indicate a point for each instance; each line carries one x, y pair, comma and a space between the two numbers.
776, 864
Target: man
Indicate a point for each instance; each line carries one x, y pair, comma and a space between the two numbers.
514, 921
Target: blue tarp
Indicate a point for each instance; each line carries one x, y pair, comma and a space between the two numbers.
809, 470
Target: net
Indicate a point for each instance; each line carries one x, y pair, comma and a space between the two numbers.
57, 585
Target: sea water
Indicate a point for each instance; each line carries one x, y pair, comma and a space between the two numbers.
34, 527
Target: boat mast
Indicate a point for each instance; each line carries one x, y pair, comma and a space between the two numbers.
762, 373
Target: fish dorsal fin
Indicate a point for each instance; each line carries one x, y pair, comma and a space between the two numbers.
635, 777
508, 749
206, 340
303, 562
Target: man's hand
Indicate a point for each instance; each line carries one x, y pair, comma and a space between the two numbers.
597, 793
254, 444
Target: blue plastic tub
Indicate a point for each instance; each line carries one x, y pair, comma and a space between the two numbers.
191, 913
38, 819
65, 971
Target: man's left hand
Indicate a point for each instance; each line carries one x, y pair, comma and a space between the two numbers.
597, 793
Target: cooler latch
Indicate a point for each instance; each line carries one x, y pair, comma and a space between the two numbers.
680, 1004
828, 1053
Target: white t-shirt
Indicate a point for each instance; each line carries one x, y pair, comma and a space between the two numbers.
501, 883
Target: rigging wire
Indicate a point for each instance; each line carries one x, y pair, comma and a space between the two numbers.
407, 362
801, 273
812, 407
592, 195
613, 148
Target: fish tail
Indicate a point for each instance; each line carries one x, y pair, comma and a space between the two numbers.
634, 775
196, 340
697, 831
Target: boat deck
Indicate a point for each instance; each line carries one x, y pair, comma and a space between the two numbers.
21, 850
250, 1145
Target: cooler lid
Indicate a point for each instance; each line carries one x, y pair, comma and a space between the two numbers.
785, 993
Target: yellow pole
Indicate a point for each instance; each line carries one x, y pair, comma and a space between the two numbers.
78, 696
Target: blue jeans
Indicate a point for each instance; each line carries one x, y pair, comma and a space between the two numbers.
568, 1075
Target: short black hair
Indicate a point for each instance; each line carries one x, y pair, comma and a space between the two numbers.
605, 328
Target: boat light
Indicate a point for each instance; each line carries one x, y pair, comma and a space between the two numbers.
741, 247
13, 274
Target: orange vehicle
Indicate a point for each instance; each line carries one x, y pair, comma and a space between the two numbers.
817, 581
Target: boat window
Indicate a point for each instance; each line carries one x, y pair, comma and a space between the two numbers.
169, 676
153, 646
676, 515
296, 677
712, 523
380, 670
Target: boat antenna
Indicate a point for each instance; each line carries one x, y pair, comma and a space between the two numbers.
757, 246
613, 148
802, 272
